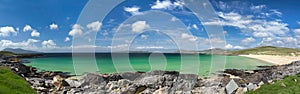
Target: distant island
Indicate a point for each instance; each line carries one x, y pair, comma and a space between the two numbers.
20, 51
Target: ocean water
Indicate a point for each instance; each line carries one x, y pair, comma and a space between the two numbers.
146, 62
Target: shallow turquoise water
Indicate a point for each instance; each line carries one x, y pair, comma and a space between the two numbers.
143, 62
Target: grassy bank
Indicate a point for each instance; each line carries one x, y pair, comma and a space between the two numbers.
10, 83
289, 85
266, 50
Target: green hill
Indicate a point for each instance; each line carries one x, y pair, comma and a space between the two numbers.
10, 83
266, 50
6, 53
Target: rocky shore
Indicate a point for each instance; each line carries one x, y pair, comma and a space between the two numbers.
231, 81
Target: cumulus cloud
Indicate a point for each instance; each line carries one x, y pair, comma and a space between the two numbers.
188, 37
173, 19
247, 23
24, 44
229, 46
48, 44
257, 8
94, 26
248, 40
53, 26
133, 10
254, 26
27, 28
167, 4
7, 30
297, 31
76, 30
149, 47
35, 33
67, 39
144, 36
139, 26
195, 26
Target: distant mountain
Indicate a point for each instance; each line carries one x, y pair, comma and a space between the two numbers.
213, 51
266, 50
20, 51
208, 51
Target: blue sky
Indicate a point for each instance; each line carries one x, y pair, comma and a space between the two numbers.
51, 25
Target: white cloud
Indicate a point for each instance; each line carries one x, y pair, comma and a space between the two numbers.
133, 10
238, 47
261, 34
94, 26
297, 31
27, 28
195, 26
48, 44
298, 22
149, 47
248, 40
229, 46
67, 39
7, 30
173, 19
167, 4
76, 30
35, 33
276, 12
248, 23
139, 26
144, 36
53, 26
188, 37
24, 44
258, 7
18, 29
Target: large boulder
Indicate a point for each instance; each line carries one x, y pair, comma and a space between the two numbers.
151, 81
185, 82
251, 86
92, 79
73, 83
231, 87
130, 75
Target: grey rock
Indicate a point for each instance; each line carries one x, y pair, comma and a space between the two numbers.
251, 86
164, 90
241, 90
151, 81
92, 78
260, 83
73, 83
231, 86
130, 75
185, 82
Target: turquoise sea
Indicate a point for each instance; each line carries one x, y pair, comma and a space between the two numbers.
141, 62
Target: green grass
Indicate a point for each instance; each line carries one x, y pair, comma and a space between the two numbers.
6, 53
10, 83
267, 50
292, 86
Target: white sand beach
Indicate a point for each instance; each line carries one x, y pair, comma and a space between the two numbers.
276, 60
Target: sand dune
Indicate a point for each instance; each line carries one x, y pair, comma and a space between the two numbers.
276, 60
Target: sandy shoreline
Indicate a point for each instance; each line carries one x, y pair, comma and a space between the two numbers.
276, 60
